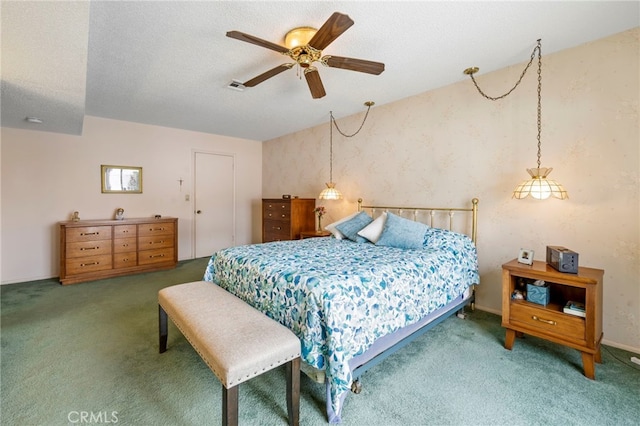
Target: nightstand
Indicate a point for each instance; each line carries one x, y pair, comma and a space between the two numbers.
549, 321
314, 234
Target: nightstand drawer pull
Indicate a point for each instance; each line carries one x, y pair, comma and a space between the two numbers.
550, 322
277, 228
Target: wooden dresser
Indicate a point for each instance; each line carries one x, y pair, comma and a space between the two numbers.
284, 219
96, 249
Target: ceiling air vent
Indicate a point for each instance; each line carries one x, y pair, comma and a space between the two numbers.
236, 85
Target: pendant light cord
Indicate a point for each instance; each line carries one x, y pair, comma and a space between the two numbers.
538, 48
332, 122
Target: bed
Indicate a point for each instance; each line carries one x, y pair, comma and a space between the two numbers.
353, 298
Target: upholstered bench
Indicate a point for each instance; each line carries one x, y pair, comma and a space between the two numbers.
235, 340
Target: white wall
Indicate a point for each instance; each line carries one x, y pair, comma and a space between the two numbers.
446, 146
47, 176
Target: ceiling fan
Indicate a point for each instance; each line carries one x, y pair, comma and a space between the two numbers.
306, 53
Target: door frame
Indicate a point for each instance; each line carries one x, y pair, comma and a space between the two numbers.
194, 153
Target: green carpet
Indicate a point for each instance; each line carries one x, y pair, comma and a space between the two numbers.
88, 353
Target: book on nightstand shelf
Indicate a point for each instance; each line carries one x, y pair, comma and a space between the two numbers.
574, 308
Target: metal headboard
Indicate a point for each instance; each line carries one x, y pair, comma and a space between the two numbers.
432, 213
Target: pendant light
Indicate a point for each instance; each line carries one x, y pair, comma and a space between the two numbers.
331, 192
539, 186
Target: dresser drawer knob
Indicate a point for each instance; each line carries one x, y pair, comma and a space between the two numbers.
546, 321
88, 248
157, 255
89, 233
89, 264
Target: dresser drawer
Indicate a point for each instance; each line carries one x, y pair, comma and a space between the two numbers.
279, 211
123, 245
558, 324
152, 229
88, 248
125, 231
125, 260
82, 265
88, 233
277, 229
155, 242
163, 255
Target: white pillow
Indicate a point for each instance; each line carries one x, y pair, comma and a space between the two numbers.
332, 226
373, 230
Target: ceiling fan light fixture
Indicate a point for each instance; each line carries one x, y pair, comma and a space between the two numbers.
299, 36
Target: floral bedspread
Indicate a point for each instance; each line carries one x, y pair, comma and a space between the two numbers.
339, 296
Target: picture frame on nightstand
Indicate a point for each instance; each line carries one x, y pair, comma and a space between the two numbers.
526, 256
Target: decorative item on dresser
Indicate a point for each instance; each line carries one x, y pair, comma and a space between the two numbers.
284, 219
96, 249
550, 320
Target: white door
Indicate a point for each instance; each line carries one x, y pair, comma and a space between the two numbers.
214, 201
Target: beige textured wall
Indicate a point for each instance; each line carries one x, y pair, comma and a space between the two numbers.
46, 176
445, 146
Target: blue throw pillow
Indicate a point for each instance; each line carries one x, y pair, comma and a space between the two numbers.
402, 233
351, 227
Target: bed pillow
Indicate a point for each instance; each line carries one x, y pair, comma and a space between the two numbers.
402, 233
373, 230
332, 226
351, 227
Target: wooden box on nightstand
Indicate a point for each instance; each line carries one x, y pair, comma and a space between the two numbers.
549, 321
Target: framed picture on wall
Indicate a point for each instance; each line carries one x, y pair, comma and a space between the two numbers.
121, 179
526, 256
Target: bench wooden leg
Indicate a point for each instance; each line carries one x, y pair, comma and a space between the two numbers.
230, 406
293, 392
162, 328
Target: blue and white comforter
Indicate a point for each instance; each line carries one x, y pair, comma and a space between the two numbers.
338, 296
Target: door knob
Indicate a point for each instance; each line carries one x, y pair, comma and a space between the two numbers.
198, 211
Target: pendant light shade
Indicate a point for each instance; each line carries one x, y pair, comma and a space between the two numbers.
539, 186
330, 192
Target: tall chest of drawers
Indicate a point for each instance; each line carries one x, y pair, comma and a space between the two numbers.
284, 219
96, 249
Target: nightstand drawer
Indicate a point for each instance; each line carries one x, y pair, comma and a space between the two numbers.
550, 322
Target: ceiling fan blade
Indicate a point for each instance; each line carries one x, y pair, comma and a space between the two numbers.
257, 41
353, 64
330, 30
314, 82
266, 75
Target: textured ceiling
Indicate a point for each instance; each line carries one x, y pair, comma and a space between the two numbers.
169, 63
